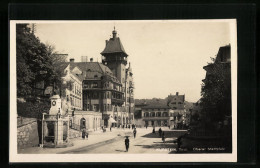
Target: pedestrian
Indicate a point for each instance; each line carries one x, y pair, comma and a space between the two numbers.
153, 130
163, 137
169, 126
127, 143
123, 126
86, 134
160, 132
110, 128
83, 132
134, 132
129, 126
146, 126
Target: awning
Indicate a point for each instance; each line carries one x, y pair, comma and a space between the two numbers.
112, 120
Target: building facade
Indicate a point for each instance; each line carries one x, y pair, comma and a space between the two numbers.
105, 88
177, 104
115, 58
157, 116
72, 98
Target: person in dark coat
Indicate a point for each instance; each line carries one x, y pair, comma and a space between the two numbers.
153, 130
127, 143
160, 132
84, 132
86, 135
134, 132
163, 137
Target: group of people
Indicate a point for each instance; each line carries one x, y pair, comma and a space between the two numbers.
124, 126
128, 126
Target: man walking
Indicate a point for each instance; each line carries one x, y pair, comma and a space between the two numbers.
127, 143
134, 132
163, 137
160, 132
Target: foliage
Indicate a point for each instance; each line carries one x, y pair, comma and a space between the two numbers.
35, 62
216, 92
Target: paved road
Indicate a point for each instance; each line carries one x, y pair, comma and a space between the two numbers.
145, 142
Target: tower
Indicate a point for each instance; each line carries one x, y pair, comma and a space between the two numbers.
115, 57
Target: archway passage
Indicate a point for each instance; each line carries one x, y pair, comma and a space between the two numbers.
82, 123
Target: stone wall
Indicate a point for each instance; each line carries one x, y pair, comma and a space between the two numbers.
27, 135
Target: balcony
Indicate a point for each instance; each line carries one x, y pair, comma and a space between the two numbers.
120, 101
156, 118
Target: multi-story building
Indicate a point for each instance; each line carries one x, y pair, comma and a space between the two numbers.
177, 104
115, 58
71, 92
156, 115
71, 87
107, 88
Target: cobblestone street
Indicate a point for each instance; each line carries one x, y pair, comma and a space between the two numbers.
113, 142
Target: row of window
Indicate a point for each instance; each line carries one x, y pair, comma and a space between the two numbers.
77, 90
105, 95
106, 107
153, 114
106, 85
75, 102
155, 109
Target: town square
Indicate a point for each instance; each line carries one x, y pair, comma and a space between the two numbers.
118, 87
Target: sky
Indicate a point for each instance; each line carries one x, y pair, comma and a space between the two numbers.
166, 56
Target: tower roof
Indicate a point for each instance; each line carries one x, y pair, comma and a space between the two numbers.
114, 45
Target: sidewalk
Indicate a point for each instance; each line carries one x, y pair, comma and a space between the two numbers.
94, 137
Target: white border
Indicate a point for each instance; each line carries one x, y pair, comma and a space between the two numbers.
14, 157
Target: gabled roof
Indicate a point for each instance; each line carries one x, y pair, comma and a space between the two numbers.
92, 70
114, 45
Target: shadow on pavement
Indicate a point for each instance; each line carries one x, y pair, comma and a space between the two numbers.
168, 134
159, 145
120, 150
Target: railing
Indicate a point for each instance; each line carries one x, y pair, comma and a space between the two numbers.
154, 116
162, 117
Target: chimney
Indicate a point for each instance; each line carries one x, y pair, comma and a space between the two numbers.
84, 58
177, 93
91, 59
72, 60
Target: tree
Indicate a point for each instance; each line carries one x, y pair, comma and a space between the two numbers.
34, 62
216, 92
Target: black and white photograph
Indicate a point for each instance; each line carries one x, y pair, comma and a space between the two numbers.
128, 90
